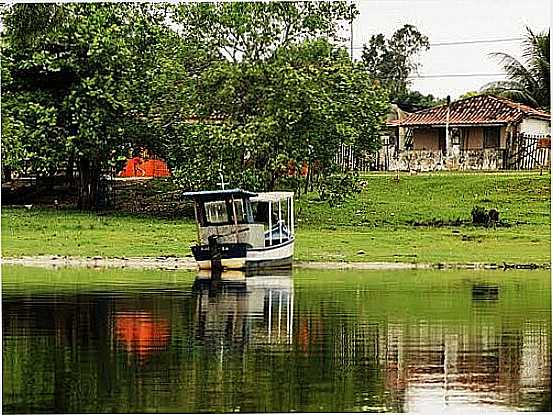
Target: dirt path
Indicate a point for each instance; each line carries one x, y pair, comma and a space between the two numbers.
187, 263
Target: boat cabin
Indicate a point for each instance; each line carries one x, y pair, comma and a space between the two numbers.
241, 217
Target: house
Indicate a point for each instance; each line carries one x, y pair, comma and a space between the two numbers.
481, 132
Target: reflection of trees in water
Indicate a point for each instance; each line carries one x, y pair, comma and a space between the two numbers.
263, 347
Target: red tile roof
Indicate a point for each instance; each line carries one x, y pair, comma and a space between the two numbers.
477, 110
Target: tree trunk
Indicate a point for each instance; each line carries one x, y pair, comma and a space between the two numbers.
69, 177
307, 178
89, 179
7, 173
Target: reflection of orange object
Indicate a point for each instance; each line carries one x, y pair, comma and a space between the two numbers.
303, 336
136, 167
141, 333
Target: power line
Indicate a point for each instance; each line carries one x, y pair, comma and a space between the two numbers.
459, 75
470, 42
466, 42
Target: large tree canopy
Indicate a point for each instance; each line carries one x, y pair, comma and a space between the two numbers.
253, 31
300, 105
81, 83
254, 88
528, 82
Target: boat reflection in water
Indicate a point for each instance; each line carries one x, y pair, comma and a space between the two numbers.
243, 305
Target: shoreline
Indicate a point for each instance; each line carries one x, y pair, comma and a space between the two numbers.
187, 263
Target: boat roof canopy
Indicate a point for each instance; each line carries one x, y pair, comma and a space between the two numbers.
219, 194
272, 196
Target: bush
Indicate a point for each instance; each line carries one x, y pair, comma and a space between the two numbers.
338, 187
480, 216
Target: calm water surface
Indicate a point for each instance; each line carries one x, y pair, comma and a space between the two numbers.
161, 341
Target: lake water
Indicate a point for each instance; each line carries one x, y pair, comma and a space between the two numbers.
340, 341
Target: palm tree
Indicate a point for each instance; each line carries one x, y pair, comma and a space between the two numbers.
528, 82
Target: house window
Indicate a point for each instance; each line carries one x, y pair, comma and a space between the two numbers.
455, 136
408, 139
491, 137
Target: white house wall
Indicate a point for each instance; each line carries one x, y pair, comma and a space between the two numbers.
533, 126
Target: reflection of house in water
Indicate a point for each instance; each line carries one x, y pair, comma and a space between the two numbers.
236, 307
439, 367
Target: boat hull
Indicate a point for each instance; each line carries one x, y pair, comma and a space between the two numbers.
243, 256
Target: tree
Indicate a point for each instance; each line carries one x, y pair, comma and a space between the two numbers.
527, 82
281, 94
299, 105
469, 94
412, 101
253, 31
85, 84
391, 61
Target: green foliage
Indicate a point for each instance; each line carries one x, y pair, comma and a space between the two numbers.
480, 215
412, 101
30, 136
528, 82
253, 31
87, 83
338, 187
391, 61
469, 94
299, 105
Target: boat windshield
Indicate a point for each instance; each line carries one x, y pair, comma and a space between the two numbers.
216, 212
222, 212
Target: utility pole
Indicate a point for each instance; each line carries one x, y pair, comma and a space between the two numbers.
351, 32
447, 141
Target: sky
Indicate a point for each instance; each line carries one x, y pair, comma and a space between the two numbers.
453, 21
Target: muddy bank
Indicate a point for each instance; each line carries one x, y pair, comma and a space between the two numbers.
172, 263
188, 263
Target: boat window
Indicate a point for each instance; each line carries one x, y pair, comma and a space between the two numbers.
241, 216
261, 210
216, 212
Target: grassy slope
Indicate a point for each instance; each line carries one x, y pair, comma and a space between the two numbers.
377, 222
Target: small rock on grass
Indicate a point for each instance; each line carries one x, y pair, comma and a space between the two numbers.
361, 252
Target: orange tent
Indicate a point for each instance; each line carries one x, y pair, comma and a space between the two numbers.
137, 167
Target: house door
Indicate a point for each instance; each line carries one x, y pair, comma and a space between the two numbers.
441, 140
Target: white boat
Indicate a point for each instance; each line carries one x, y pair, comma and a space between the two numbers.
237, 229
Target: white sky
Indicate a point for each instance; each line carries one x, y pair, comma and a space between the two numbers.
452, 21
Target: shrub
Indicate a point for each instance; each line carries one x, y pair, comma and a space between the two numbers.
338, 187
480, 216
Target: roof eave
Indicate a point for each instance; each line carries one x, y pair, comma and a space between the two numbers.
455, 125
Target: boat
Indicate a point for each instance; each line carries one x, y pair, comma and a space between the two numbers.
238, 229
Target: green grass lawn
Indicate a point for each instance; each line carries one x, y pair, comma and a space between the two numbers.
389, 221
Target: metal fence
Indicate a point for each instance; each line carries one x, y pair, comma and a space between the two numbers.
526, 152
